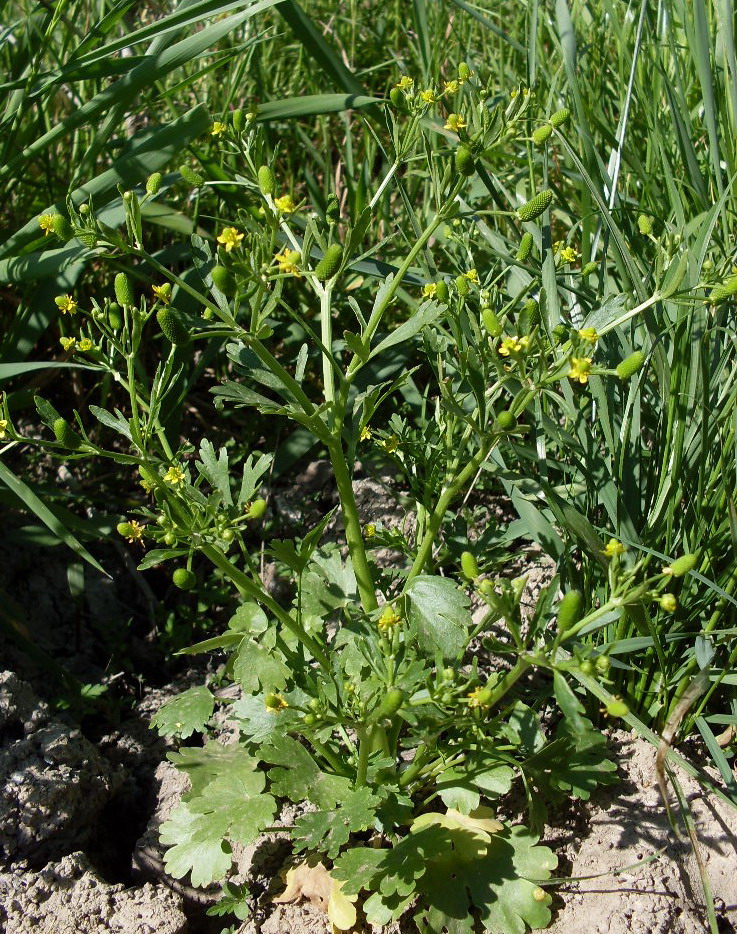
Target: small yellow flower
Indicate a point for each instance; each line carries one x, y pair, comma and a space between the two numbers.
275, 703
68, 343
287, 262
451, 87
84, 345
580, 369
428, 96
405, 83
174, 475
46, 223
614, 548
477, 697
588, 334
3, 428
429, 290
162, 292
230, 237
134, 531
568, 254
218, 128
66, 304
365, 433
472, 276
512, 346
455, 123
285, 205
391, 444
369, 530
388, 619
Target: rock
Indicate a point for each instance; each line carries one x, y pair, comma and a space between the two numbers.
67, 897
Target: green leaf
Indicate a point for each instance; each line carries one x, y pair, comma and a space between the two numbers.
204, 764
256, 666
185, 714
439, 615
249, 617
117, 422
425, 315
215, 469
328, 831
301, 779
258, 721
197, 845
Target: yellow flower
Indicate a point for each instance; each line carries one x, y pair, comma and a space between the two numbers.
568, 254
472, 276
455, 123
46, 223
428, 96
218, 128
3, 428
66, 304
391, 444
134, 532
388, 619
365, 433
511, 346
588, 334
68, 343
370, 530
287, 262
429, 290
174, 475
580, 369
405, 83
162, 292
451, 87
478, 697
275, 703
84, 345
230, 237
285, 205
614, 548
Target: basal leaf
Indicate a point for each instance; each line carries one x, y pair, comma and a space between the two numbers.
299, 778
256, 666
439, 615
328, 831
185, 714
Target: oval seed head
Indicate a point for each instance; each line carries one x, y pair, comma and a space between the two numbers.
124, 528
123, 289
542, 134
681, 566
469, 566
397, 98
560, 117
62, 228
183, 579
442, 292
464, 72
330, 263
332, 209
603, 663
114, 316
669, 603
645, 225
153, 184
266, 180
224, 280
506, 421
256, 509
630, 365
238, 119
171, 325
464, 161
190, 176
560, 333
532, 309
390, 704
66, 435
525, 246
617, 708
727, 289
535, 206
570, 610
491, 322
589, 268
462, 286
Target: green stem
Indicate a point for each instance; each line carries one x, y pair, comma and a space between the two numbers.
252, 589
352, 522
326, 333
364, 749
509, 680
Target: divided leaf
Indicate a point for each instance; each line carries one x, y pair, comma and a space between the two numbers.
300, 778
328, 831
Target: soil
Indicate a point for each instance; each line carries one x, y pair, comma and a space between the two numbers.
81, 800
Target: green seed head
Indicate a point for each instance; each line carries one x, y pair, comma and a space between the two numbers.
464, 161
266, 180
190, 176
617, 708
332, 209
462, 286
525, 245
464, 72
123, 290
536, 206
727, 289
681, 566
183, 579
542, 134
62, 228
114, 316
330, 263
603, 664
491, 322
560, 117
224, 280
570, 610
630, 365
669, 603
589, 268
645, 225
506, 421
153, 184
66, 435
469, 566
397, 98
442, 292
256, 509
171, 326
531, 308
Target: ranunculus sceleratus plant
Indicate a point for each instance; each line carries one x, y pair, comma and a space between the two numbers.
364, 696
